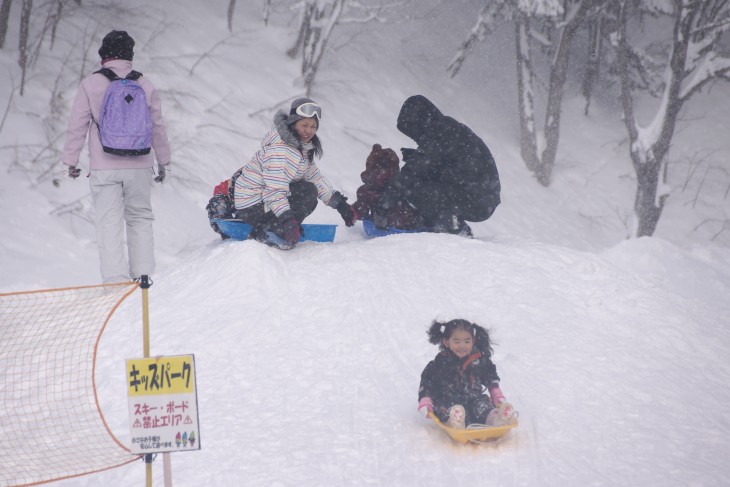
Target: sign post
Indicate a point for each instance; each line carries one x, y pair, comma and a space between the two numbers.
163, 404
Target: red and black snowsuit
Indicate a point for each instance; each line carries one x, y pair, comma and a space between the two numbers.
449, 380
381, 166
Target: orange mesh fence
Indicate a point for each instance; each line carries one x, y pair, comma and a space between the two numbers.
51, 426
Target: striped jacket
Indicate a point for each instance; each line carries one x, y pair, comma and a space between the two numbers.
278, 162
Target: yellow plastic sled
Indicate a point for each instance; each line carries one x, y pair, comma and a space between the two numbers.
475, 435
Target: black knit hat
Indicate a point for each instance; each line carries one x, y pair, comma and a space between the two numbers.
117, 44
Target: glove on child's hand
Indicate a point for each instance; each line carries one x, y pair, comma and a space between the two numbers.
290, 230
496, 393
73, 172
425, 406
347, 212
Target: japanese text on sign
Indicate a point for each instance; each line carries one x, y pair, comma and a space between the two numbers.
168, 375
163, 404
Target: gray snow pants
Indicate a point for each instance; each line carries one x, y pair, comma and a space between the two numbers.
121, 199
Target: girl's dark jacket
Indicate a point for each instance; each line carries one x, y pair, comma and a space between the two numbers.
449, 380
450, 154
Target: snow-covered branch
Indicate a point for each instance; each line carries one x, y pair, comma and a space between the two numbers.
487, 21
712, 67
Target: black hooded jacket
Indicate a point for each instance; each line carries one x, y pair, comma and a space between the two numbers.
451, 160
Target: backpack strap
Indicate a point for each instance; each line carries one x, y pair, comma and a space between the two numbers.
112, 76
108, 73
133, 75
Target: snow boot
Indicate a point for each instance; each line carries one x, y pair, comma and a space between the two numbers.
454, 225
457, 417
464, 229
269, 238
502, 415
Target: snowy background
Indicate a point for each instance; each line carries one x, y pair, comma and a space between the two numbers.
614, 351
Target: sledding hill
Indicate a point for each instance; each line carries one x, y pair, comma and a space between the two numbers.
309, 361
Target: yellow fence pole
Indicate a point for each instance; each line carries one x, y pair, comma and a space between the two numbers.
145, 285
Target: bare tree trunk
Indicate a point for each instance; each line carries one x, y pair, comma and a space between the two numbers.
648, 204
649, 149
525, 97
7, 106
4, 18
315, 43
305, 29
56, 19
231, 9
558, 76
595, 45
267, 11
541, 164
23, 41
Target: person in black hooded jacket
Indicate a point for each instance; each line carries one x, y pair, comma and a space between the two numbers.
450, 178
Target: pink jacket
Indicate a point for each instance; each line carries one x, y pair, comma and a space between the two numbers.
87, 105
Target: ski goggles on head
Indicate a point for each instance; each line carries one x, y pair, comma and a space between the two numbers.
309, 110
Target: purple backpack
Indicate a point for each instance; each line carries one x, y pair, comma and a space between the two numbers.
125, 123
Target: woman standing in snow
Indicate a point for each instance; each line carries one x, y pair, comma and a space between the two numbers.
453, 383
279, 186
121, 185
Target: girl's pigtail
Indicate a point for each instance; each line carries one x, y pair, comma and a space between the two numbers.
436, 332
482, 341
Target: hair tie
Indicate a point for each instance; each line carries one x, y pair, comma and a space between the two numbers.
443, 329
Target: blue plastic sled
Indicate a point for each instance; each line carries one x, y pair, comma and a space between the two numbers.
238, 230
372, 231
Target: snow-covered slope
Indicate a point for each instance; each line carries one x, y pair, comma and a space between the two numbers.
309, 362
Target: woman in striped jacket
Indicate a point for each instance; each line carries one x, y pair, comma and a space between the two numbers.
279, 187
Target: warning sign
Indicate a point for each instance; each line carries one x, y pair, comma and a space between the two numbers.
163, 404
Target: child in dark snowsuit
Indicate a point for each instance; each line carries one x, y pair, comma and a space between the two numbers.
381, 166
453, 384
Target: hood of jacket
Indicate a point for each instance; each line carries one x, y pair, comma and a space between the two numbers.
121, 67
285, 132
416, 116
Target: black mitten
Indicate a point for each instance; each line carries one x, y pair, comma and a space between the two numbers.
346, 211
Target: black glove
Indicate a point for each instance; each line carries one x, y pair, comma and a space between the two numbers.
408, 154
289, 227
160, 174
73, 172
347, 212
